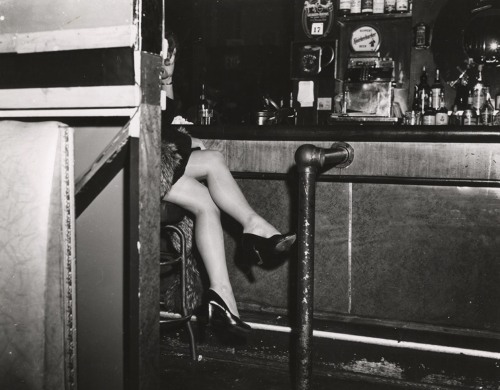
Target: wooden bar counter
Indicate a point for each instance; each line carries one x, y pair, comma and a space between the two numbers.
407, 237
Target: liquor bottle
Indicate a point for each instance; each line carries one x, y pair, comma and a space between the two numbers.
355, 7
416, 100
366, 7
344, 7
346, 100
378, 6
402, 6
414, 116
423, 87
496, 119
293, 111
205, 112
436, 89
442, 117
455, 118
429, 117
469, 117
461, 86
487, 109
478, 90
390, 6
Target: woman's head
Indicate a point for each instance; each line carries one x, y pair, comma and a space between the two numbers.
168, 66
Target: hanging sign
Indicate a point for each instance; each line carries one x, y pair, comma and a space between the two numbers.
317, 18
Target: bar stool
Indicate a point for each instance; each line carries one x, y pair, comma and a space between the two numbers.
172, 214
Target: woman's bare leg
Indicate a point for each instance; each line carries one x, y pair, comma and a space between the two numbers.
210, 165
193, 196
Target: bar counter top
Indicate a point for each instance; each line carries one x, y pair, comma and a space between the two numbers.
350, 132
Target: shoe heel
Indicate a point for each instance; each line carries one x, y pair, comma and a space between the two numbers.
255, 256
252, 253
268, 251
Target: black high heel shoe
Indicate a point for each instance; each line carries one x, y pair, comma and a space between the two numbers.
221, 318
263, 250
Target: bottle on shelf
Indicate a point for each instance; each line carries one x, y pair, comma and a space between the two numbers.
355, 7
461, 85
478, 90
455, 118
436, 90
429, 117
496, 119
424, 84
346, 100
390, 6
402, 6
205, 112
367, 7
344, 7
424, 89
416, 100
442, 117
287, 112
486, 111
413, 117
469, 117
378, 6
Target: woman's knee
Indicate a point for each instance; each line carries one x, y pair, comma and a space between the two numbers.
215, 160
202, 203
193, 196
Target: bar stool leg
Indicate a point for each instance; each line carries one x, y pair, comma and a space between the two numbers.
182, 239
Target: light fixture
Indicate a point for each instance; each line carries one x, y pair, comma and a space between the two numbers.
482, 37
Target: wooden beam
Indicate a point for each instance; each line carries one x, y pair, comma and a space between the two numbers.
71, 39
66, 113
74, 97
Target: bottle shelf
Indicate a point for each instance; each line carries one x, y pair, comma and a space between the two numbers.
373, 17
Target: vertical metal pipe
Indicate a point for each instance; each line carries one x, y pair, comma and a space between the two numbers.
305, 284
309, 160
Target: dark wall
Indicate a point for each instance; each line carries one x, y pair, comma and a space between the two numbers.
241, 50
238, 48
421, 255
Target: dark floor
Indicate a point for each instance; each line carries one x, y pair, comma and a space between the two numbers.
258, 364
181, 373
264, 360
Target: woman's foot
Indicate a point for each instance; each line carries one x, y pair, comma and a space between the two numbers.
258, 226
264, 251
221, 318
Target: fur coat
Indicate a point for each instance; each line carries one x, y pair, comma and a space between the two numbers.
170, 285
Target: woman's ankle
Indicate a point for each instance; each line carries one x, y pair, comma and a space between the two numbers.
226, 293
260, 227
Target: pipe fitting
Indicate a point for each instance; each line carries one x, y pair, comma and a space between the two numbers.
339, 155
308, 155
